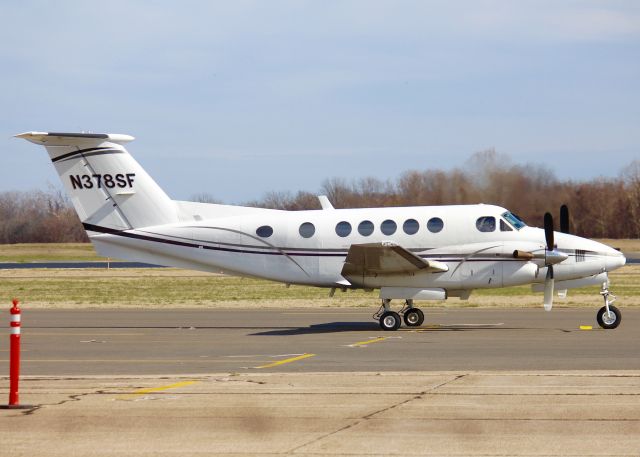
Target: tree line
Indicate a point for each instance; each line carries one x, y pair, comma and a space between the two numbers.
600, 207
38, 217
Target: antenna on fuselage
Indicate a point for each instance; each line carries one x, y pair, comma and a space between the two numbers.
324, 202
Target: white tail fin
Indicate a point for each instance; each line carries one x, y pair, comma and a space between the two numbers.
108, 188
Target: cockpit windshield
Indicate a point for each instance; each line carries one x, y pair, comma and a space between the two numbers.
513, 220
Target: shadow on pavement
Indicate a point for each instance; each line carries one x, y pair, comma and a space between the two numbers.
329, 327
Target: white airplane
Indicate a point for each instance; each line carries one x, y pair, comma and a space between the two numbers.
409, 253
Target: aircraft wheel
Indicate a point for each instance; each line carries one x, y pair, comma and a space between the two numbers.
390, 321
413, 317
610, 321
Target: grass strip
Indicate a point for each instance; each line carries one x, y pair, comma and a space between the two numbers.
156, 288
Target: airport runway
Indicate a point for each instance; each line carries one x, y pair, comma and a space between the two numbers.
157, 342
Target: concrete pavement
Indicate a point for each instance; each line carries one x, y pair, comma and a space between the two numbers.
355, 414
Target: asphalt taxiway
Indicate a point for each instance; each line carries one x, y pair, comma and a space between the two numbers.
478, 382
177, 341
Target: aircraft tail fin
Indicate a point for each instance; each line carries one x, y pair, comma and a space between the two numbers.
107, 186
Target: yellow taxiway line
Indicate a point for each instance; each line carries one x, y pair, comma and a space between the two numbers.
282, 362
161, 388
371, 341
150, 390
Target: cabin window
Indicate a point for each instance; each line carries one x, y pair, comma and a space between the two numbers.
486, 224
343, 229
264, 231
504, 227
410, 226
307, 230
365, 228
435, 225
388, 227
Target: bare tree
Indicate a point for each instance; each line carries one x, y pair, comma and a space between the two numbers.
204, 197
631, 177
599, 207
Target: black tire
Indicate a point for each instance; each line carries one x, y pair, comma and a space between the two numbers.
390, 321
413, 317
611, 322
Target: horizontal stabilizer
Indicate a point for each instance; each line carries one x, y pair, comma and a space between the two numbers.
64, 139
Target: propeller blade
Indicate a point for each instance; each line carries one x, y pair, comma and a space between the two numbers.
548, 230
564, 219
549, 283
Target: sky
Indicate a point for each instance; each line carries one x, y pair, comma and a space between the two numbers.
237, 99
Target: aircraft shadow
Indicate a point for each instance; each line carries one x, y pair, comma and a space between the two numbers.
337, 327
328, 327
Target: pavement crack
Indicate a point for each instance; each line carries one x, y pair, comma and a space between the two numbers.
69, 399
235, 378
375, 413
415, 397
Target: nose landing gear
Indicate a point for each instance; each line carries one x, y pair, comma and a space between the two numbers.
608, 317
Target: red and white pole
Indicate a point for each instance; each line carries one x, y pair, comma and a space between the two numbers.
14, 359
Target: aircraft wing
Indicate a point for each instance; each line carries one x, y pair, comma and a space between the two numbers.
377, 259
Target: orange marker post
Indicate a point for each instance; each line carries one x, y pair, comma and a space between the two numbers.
14, 358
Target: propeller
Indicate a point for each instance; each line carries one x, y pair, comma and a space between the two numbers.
551, 256
564, 219
548, 230
548, 281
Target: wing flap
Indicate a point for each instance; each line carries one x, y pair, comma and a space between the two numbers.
375, 259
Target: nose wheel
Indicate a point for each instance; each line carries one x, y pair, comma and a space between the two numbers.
608, 317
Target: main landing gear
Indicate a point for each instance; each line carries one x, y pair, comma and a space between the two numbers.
390, 320
608, 316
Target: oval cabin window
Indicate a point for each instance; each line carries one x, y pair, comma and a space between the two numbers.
343, 229
410, 226
435, 225
365, 228
307, 230
264, 232
388, 227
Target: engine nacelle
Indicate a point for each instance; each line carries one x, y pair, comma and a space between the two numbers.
516, 273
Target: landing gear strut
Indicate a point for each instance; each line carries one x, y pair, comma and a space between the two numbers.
390, 320
608, 317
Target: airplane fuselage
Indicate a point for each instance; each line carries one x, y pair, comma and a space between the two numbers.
310, 247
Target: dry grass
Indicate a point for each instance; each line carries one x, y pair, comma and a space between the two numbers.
171, 288
40, 252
